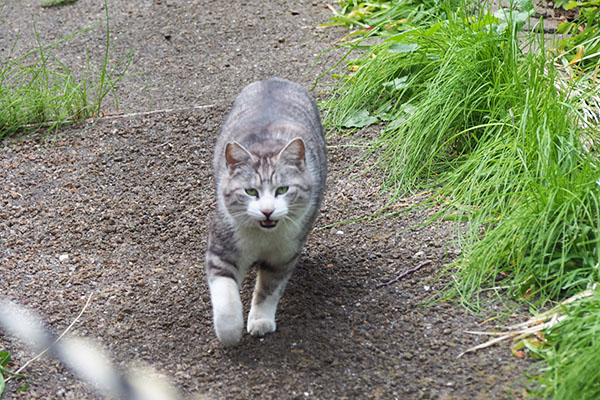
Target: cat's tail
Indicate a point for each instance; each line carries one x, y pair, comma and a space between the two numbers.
85, 358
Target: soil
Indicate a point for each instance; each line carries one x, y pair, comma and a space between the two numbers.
118, 208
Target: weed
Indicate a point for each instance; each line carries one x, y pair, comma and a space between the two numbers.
580, 45
38, 91
4, 361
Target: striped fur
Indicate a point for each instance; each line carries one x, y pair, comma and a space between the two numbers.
270, 169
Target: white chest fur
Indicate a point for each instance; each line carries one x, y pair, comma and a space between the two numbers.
273, 247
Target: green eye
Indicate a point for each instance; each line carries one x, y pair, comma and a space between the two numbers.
252, 192
282, 190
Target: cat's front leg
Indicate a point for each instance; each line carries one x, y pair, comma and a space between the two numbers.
227, 306
227, 309
270, 285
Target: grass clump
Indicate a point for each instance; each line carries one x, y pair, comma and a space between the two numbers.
38, 91
387, 18
496, 130
504, 135
571, 349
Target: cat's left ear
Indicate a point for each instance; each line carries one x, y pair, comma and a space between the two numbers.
293, 152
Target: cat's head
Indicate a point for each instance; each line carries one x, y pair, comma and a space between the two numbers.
267, 184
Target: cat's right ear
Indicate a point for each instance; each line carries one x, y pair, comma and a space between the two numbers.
236, 155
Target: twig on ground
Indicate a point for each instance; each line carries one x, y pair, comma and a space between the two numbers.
144, 113
329, 6
403, 274
532, 326
116, 116
87, 303
484, 345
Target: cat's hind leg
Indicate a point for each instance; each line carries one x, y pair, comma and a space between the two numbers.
270, 284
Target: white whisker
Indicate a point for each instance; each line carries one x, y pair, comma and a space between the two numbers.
288, 219
238, 214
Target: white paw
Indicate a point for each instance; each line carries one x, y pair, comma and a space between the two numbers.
261, 326
228, 327
227, 310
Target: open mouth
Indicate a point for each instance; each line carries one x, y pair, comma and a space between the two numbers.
268, 223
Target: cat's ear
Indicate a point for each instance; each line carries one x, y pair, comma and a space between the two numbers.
236, 154
293, 152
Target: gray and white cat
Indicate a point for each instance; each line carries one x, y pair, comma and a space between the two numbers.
270, 168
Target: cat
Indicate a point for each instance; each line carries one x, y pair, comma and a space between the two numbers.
270, 168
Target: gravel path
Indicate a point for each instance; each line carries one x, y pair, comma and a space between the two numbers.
119, 207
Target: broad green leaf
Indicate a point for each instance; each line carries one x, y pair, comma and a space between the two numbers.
485, 20
406, 110
501, 28
515, 16
524, 5
383, 113
521, 17
397, 48
359, 119
396, 84
4, 360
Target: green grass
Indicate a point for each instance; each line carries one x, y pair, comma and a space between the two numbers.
499, 130
496, 129
571, 350
580, 41
4, 361
385, 18
38, 91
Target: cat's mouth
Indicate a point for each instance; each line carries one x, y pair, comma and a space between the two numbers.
268, 223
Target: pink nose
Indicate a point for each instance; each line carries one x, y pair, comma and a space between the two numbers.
267, 213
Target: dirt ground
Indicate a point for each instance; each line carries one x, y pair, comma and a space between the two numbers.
118, 208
